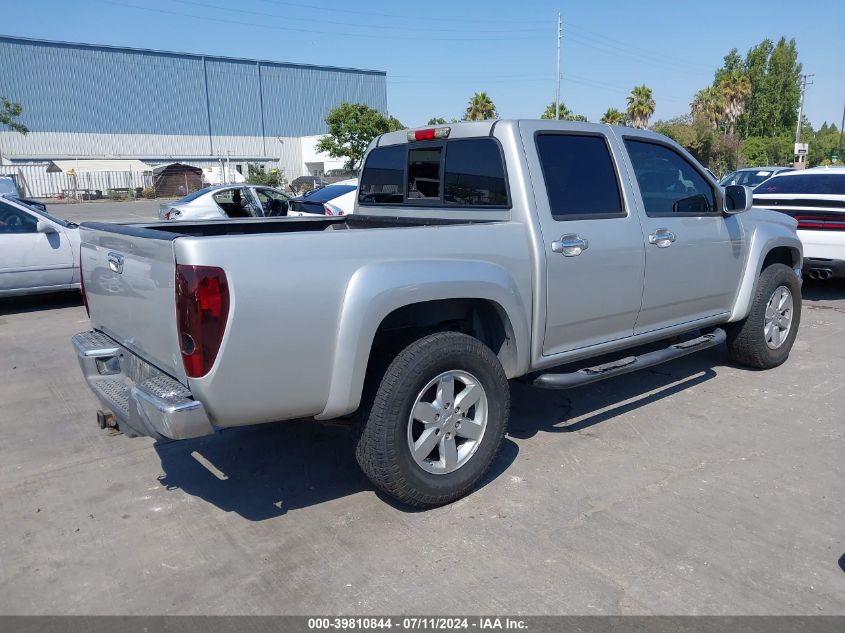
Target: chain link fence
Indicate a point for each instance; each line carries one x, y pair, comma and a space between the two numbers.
34, 181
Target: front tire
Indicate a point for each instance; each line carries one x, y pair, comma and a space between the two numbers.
764, 338
437, 420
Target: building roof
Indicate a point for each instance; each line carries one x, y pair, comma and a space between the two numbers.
200, 56
85, 165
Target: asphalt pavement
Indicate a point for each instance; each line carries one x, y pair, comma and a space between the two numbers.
697, 487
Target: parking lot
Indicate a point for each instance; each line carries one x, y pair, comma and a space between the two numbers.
697, 487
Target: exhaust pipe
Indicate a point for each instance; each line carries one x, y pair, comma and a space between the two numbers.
820, 274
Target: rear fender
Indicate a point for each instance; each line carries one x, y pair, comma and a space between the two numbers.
376, 290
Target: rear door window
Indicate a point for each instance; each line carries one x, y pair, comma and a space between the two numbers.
580, 177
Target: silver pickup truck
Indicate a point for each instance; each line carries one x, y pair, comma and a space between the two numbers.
553, 252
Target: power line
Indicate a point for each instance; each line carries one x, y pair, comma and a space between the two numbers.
636, 48
405, 27
616, 52
312, 7
297, 29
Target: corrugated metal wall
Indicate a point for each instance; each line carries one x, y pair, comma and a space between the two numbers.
169, 104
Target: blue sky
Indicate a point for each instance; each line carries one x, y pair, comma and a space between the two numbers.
437, 53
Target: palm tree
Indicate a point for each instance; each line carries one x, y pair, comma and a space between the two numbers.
708, 104
564, 113
480, 108
640, 106
735, 88
613, 117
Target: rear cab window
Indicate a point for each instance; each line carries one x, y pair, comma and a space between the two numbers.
455, 173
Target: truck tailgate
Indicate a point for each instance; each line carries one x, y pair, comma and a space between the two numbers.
129, 282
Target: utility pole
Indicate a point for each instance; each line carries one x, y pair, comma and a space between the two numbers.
800, 159
806, 80
557, 77
841, 157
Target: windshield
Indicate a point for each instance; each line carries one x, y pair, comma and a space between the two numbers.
49, 216
7, 185
826, 184
747, 178
39, 212
330, 193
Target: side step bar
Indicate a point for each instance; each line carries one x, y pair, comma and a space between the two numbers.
630, 363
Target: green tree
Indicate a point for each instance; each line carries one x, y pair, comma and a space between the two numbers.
640, 106
754, 151
612, 116
257, 176
774, 73
351, 127
480, 108
709, 105
564, 113
437, 120
8, 113
717, 151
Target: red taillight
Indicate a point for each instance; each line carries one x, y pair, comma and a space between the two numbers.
822, 222
429, 134
82, 286
331, 209
202, 308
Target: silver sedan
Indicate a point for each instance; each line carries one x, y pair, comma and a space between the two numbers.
223, 202
38, 252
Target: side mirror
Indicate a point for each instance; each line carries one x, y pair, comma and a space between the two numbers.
738, 199
44, 226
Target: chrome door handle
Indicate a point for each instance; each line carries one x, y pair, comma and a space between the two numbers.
662, 238
570, 245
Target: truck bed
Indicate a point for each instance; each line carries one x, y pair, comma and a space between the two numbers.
289, 296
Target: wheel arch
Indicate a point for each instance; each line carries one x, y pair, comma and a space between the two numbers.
387, 303
780, 248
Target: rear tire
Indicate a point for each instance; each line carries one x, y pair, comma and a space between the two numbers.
414, 406
764, 338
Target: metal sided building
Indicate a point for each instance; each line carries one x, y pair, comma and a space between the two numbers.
86, 101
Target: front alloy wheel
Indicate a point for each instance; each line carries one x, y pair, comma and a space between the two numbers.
778, 319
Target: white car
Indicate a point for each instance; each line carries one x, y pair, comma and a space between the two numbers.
38, 252
335, 199
223, 202
816, 198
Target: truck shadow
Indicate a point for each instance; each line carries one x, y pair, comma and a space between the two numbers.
829, 290
264, 471
535, 410
39, 302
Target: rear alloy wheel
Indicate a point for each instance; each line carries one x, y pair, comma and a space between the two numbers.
436, 421
446, 429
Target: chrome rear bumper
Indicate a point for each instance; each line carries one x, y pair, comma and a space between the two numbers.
145, 400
